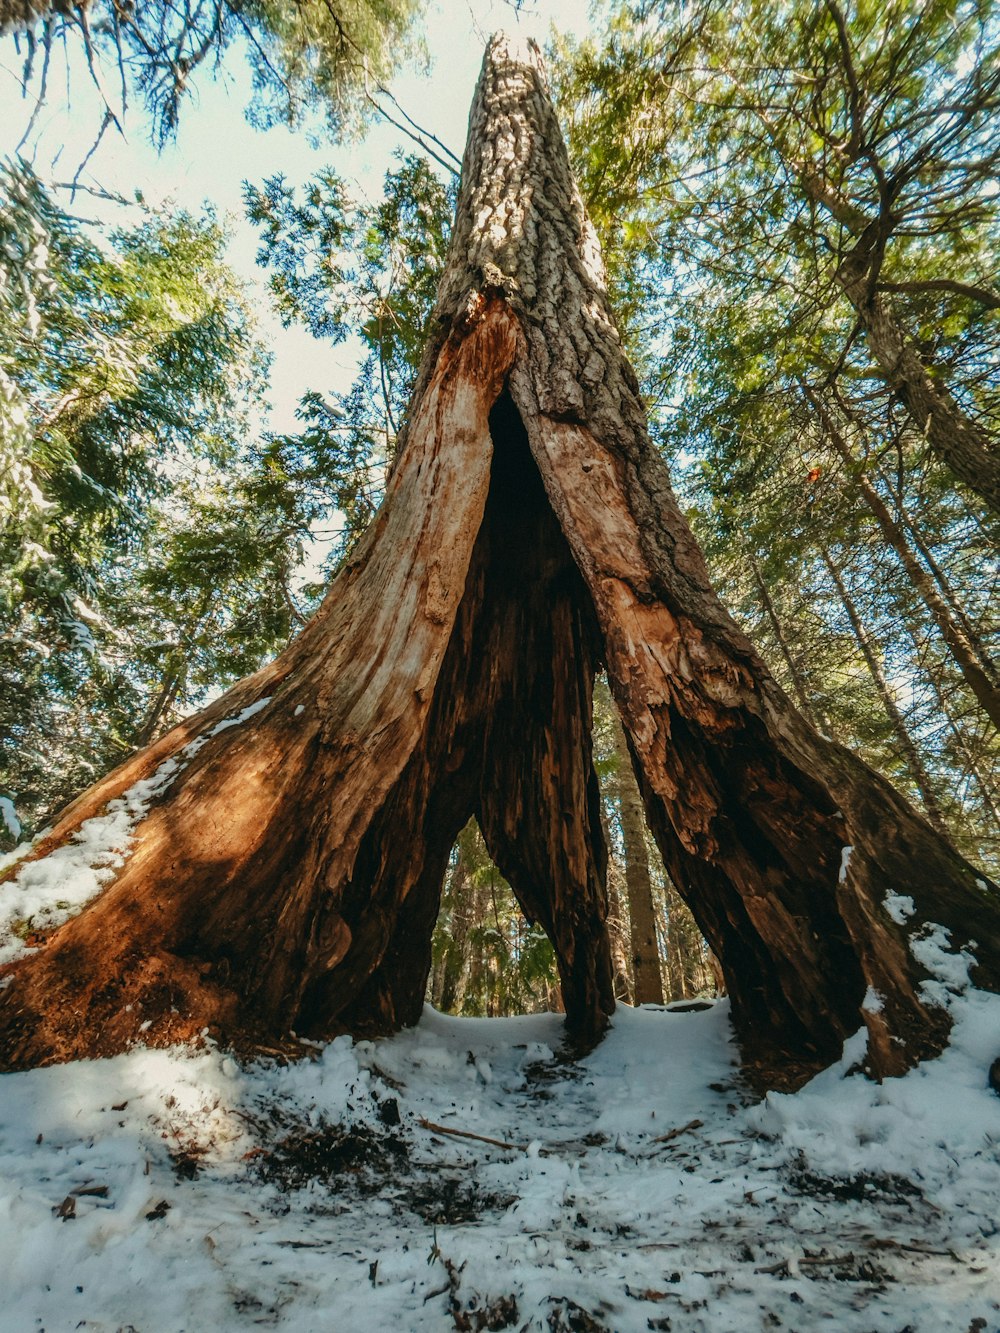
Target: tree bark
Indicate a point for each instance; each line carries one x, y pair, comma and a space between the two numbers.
956, 439
648, 984
286, 874
619, 935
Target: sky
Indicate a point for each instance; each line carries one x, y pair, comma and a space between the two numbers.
216, 151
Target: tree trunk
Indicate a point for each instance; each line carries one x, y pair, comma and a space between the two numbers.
286, 873
648, 984
798, 684
960, 443
619, 937
911, 755
962, 650
455, 962
982, 655
956, 439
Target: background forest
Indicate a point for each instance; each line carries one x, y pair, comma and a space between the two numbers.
798, 205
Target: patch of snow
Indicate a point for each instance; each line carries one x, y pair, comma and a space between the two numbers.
899, 907
845, 861
949, 968
9, 816
235, 721
872, 1003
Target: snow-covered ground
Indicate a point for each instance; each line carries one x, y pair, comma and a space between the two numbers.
176, 1190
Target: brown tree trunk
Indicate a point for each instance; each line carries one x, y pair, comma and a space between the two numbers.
286, 874
957, 440
648, 984
982, 655
455, 963
619, 937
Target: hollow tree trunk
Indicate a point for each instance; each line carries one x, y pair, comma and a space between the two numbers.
286, 874
648, 984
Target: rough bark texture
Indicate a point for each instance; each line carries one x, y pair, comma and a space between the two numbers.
289, 876
951, 433
16, 14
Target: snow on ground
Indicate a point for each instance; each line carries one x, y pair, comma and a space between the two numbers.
176, 1190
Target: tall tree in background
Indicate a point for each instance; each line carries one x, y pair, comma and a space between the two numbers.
852, 148
291, 839
647, 982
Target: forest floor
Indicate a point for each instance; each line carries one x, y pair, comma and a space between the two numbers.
640, 1188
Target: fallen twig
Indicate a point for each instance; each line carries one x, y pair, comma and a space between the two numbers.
675, 1133
467, 1134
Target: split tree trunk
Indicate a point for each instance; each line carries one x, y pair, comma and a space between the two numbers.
287, 874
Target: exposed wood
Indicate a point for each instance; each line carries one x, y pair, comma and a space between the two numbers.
676, 1133
467, 1134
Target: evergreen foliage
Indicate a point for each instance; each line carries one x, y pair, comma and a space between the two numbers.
148, 535
312, 57
342, 267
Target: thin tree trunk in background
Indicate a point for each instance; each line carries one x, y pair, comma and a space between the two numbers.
618, 924
956, 439
918, 772
164, 700
963, 652
648, 987
456, 958
983, 656
960, 443
798, 684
